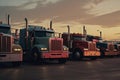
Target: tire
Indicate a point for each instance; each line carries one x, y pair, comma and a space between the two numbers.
15, 64
93, 58
102, 54
35, 55
62, 61
77, 55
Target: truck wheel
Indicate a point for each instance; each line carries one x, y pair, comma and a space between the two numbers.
15, 64
62, 61
35, 56
102, 54
77, 55
93, 58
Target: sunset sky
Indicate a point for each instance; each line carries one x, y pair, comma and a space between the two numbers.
102, 15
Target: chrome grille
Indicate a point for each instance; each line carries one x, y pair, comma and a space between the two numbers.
5, 43
92, 46
118, 47
56, 44
110, 47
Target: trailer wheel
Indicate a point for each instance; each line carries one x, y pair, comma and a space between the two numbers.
62, 61
77, 55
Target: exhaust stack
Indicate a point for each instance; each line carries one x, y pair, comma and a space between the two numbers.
69, 41
16, 34
51, 24
26, 23
26, 33
8, 19
100, 34
68, 32
84, 32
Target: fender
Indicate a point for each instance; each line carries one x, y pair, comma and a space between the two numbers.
79, 48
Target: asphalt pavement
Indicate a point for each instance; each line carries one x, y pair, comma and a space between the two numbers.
100, 69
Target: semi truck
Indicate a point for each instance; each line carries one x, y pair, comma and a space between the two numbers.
106, 48
9, 50
79, 47
117, 47
40, 44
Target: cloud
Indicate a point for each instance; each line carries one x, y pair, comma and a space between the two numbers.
90, 12
103, 7
26, 4
35, 3
12, 2
50, 1
92, 4
108, 20
117, 33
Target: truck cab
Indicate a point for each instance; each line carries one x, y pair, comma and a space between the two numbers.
106, 48
5, 28
40, 44
79, 47
117, 47
9, 51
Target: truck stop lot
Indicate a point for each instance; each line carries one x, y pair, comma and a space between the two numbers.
100, 69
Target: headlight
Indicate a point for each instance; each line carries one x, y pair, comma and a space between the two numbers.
115, 49
17, 49
43, 49
98, 49
65, 49
107, 49
85, 48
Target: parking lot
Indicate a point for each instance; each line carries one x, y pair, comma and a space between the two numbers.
100, 69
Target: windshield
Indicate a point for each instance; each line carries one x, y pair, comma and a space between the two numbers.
5, 30
44, 34
78, 38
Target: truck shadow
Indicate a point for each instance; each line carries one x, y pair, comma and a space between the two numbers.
8, 65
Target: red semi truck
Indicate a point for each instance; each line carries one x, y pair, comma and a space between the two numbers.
9, 50
79, 47
106, 48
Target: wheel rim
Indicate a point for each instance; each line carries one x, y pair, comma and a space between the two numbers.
77, 54
35, 56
